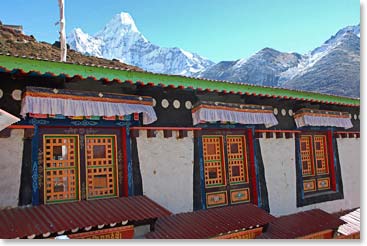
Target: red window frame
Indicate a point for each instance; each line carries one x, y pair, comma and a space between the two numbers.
316, 148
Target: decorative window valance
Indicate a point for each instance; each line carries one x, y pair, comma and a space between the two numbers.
206, 111
314, 117
82, 103
7, 119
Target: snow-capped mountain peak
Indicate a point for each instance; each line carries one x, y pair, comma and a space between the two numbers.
330, 68
314, 56
121, 23
80, 40
121, 39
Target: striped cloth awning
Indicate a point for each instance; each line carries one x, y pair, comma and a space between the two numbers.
314, 117
7, 119
45, 101
246, 114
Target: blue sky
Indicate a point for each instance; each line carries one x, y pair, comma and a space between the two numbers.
216, 29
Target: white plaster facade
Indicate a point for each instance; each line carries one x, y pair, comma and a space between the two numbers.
280, 174
11, 152
167, 166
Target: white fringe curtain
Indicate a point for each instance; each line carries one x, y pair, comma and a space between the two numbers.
241, 117
7, 119
322, 119
73, 107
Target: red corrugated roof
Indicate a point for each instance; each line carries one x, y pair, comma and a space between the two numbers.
210, 223
25, 221
300, 224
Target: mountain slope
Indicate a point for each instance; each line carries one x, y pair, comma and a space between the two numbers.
335, 73
120, 39
332, 68
262, 68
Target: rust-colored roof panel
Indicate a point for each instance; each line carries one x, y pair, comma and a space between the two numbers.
300, 224
25, 221
210, 223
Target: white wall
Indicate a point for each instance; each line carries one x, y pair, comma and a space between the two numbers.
11, 152
280, 174
166, 166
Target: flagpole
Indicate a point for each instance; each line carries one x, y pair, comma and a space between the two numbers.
62, 32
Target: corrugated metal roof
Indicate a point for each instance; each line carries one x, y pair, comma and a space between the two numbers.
210, 223
108, 74
300, 224
353, 223
25, 221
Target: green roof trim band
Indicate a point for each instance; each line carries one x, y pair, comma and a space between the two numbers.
57, 68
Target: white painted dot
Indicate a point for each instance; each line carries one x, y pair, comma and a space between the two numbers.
55, 91
188, 104
275, 111
165, 103
290, 112
1, 93
355, 116
284, 112
16, 95
176, 104
154, 102
100, 94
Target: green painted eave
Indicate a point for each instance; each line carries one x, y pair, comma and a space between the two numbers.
57, 68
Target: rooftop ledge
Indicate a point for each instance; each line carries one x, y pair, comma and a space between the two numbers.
9, 63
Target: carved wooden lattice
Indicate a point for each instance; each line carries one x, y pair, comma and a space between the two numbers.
314, 152
321, 154
307, 156
61, 167
237, 161
213, 160
101, 165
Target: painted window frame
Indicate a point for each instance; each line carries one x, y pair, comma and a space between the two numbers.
78, 165
123, 168
251, 174
335, 192
113, 167
76, 168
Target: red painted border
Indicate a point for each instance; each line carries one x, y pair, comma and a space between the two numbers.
346, 132
252, 165
125, 169
285, 131
165, 128
331, 159
21, 127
